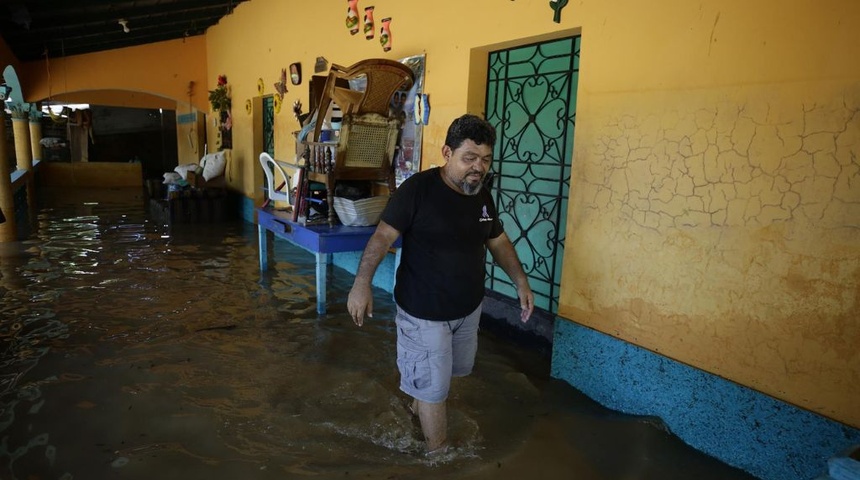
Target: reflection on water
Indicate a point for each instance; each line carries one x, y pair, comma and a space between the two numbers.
130, 350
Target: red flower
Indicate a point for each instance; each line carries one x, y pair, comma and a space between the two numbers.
222, 80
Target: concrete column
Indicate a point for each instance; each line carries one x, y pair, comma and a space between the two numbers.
35, 138
8, 230
21, 130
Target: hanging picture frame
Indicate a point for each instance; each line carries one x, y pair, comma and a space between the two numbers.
407, 159
296, 73
226, 128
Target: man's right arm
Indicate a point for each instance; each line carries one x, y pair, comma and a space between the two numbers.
360, 300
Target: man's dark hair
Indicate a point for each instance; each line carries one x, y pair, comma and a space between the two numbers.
470, 127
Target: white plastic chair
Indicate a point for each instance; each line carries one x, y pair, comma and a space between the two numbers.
268, 163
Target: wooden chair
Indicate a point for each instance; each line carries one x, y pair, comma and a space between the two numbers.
365, 151
384, 77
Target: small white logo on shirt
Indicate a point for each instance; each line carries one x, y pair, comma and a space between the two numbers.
485, 217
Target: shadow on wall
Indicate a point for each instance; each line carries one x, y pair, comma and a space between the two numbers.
501, 316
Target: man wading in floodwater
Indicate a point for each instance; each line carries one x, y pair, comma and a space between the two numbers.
447, 222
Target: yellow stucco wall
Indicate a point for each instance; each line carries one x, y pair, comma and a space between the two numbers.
163, 69
171, 75
715, 204
715, 207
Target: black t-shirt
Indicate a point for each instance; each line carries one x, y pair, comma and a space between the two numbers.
444, 232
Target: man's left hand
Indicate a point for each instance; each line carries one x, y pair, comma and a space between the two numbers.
527, 303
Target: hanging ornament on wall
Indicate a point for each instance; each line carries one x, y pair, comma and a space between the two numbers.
352, 16
281, 86
320, 65
297, 112
421, 109
368, 23
277, 105
557, 5
385, 34
296, 73
261, 86
249, 107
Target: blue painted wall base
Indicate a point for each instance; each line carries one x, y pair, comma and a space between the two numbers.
384, 277
740, 426
246, 209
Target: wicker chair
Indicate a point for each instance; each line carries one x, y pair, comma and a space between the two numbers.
365, 151
384, 77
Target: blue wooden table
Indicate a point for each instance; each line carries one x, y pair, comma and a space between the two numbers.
321, 240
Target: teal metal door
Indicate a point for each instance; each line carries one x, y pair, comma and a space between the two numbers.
531, 100
268, 134
269, 125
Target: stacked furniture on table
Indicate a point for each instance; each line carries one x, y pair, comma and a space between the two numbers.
369, 133
364, 151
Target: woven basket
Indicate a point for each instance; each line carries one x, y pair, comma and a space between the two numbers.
360, 213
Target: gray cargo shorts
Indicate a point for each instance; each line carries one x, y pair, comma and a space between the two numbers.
430, 352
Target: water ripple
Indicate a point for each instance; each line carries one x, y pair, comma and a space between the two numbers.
131, 348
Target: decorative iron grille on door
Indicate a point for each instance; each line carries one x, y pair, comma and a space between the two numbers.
269, 125
531, 100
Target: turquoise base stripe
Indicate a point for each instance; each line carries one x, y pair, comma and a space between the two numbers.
740, 426
384, 277
247, 210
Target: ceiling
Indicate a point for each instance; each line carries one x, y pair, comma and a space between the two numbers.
34, 29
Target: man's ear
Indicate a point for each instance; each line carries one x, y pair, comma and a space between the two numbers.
446, 152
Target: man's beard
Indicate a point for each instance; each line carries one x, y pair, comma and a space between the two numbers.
470, 189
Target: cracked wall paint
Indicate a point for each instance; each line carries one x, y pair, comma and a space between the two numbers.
721, 229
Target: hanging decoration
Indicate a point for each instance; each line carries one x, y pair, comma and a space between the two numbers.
557, 5
261, 86
281, 85
221, 103
220, 97
352, 16
297, 112
385, 34
296, 73
368, 23
321, 65
193, 124
421, 109
277, 105
249, 107
59, 118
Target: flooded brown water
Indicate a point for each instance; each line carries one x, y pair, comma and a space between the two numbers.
135, 351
